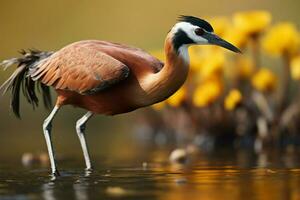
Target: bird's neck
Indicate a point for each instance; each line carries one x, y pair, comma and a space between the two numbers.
171, 77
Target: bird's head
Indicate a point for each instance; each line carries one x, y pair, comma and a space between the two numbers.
194, 31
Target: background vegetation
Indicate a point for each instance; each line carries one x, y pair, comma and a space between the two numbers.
49, 25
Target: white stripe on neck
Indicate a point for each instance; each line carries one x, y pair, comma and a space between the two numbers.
184, 53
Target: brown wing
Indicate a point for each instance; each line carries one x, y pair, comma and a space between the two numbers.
80, 67
136, 59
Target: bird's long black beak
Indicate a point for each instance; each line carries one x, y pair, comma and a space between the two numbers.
216, 40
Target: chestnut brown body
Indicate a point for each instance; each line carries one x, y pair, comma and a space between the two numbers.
148, 81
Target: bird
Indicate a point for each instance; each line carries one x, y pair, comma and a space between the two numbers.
104, 77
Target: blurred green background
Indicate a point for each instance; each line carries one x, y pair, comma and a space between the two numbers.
50, 25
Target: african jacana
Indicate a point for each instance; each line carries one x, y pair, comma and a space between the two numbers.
106, 78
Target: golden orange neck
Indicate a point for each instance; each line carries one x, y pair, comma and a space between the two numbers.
163, 84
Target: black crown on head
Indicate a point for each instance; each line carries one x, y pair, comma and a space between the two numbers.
196, 22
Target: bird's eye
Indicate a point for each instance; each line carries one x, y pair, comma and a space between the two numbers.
199, 31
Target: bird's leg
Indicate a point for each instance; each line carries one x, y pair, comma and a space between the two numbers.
80, 129
47, 133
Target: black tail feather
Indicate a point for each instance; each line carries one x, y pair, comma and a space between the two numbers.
47, 100
21, 80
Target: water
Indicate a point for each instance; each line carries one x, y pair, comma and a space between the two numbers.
231, 175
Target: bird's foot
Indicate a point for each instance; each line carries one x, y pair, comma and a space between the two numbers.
55, 173
89, 169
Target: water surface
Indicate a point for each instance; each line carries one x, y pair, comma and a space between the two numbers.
216, 176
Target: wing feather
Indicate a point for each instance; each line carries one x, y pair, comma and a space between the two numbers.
80, 67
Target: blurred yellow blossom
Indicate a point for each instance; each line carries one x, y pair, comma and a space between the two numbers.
207, 92
232, 99
295, 68
201, 55
177, 98
264, 80
212, 65
245, 67
196, 55
282, 38
252, 22
220, 24
159, 106
236, 37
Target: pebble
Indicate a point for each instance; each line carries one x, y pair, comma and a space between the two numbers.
145, 165
116, 191
181, 181
192, 149
29, 159
44, 158
178, 156
271, 171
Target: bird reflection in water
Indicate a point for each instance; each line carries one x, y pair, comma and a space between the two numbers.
80, 187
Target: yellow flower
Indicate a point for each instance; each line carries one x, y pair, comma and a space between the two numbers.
212, 65
159, 106
282, 38
196, 54
264, 80
295, 68
232, 99
207, 93
205, 61
177, 98
252, 22
245, 67
220, 24
236, 37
